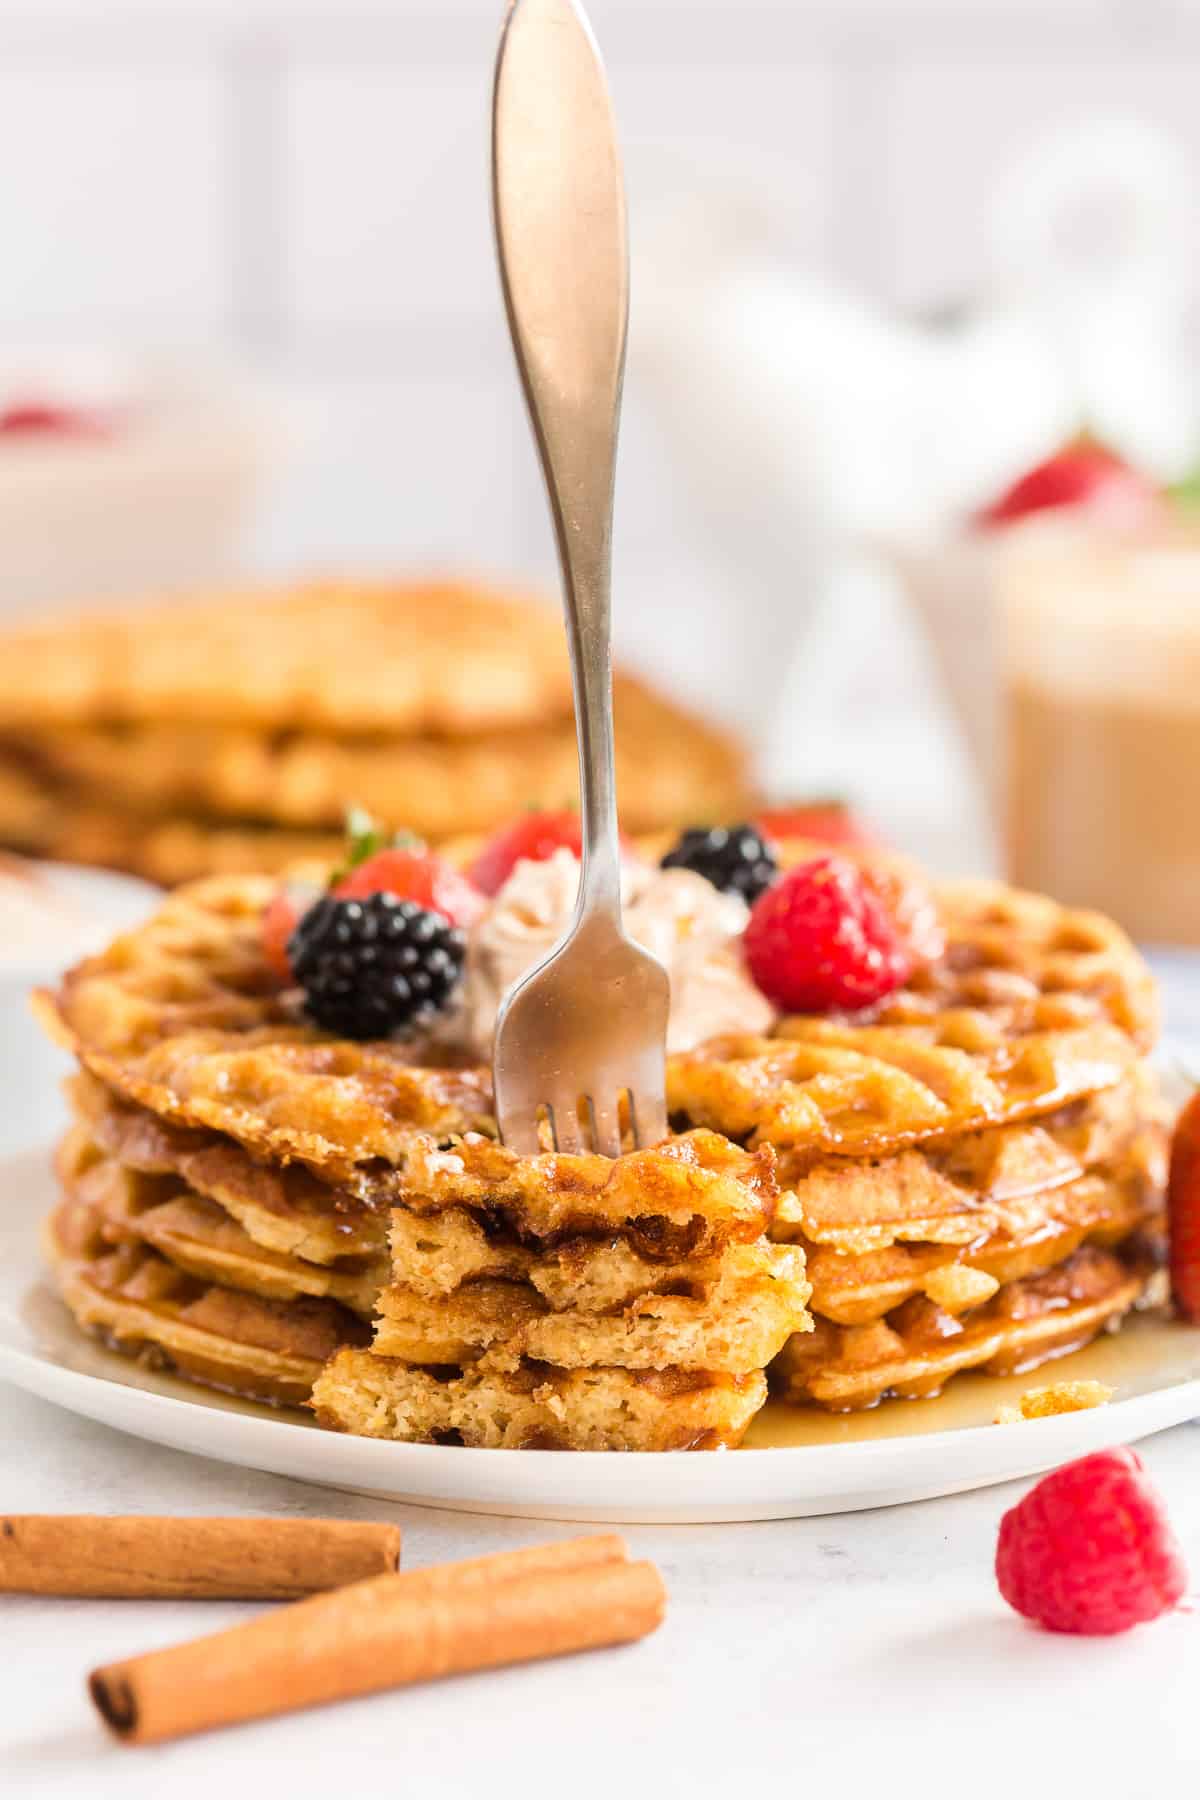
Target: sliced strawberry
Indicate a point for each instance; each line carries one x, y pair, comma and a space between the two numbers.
532, 838
1183, 1206
280, 920
1083, 474
824, 821
414, 875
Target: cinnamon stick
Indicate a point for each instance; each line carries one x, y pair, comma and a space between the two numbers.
388, 1632
94, 1557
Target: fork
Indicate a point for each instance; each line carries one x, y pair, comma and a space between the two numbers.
582, 1037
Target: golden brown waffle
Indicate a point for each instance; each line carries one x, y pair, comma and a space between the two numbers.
285, 1209
670, 768
137, 1301
536, 1407
181, 1016
684, 1198
734, 1319
1022, 1238
200, 1237
958, 1192
356, 657
1031, 965
916, 1350
851, 1090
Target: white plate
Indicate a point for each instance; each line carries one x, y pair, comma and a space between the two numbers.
904, 1451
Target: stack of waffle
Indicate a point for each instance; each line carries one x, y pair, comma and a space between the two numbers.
572, 1303
973, 1175
231, 736
976, 1173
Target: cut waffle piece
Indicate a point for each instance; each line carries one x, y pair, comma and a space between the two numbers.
682, 1198
671, 767
915, 1351
854, 1090
629, 1304
734, 1320
143, 1305
453, 658
199, 1237
536, 1407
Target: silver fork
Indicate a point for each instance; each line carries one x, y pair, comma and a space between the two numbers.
588, 1026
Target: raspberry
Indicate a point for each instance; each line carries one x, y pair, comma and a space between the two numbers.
532, 838
820, 941
1090, 1549
414, 875
1183, 1211
734, 858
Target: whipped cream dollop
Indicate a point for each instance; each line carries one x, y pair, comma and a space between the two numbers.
694, 931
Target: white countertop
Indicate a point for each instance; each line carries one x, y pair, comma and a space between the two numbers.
864, 1654
867, 1653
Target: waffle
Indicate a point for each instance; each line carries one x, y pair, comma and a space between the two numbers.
627, 1304
283, 1209
670, 767
684, 1198
536, 1407
732, 1319
143, 1305
1031, 965
458, 660
182, 1017
956, 1192
854, 1090
1019, 1239
198, 1236
914, 1352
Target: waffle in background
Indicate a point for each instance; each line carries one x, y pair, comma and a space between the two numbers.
231, 735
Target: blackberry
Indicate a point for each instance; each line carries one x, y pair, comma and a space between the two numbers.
375, 966
735, 858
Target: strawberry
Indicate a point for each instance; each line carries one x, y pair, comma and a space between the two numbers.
279, 921
824, 821
1090, 1549
819, 940
1082, 474
534, 837
414, 875
1183, 1210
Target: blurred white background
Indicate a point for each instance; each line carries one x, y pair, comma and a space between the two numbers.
301, 185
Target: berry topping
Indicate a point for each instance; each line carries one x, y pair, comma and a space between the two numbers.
1090, 1549
820, 940
1183, 1211
279, 921
375, 966
532, 838
414, 875
1083, 474
734, 858
822, 821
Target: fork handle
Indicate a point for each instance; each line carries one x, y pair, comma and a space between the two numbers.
559, 218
